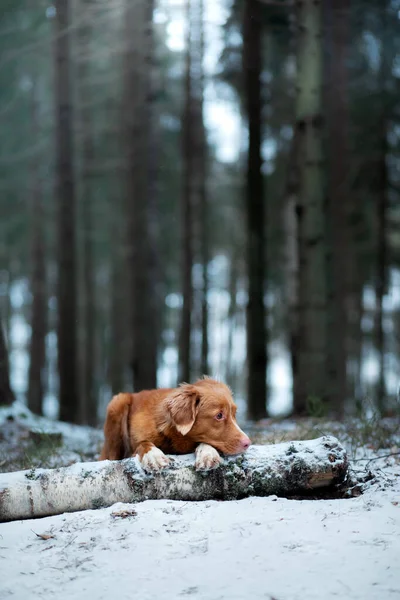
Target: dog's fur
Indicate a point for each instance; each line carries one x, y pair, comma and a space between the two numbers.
198, 417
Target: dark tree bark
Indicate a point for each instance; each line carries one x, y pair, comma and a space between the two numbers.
291, 252
119, 347
154, 276
6, 393
381, 266
201, 228
337, 21
254, 199
38, 282
203, 199
185, 354
382, 210
138, 118
88, 397
310, 369
66, 292
232, 316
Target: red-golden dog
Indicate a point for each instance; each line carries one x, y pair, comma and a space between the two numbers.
199, 417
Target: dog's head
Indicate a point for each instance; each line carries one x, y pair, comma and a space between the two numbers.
205, 412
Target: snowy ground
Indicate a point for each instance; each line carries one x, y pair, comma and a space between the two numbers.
254, 548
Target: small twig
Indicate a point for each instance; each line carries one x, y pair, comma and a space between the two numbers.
70, 542
377, 457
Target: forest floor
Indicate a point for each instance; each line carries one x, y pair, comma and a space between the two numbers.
345, 547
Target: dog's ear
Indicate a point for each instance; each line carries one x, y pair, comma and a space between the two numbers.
182, 406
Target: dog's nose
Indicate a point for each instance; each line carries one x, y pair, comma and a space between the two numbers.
246, 442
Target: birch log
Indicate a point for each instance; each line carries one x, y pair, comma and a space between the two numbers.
283, 469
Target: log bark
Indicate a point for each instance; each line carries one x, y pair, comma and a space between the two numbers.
290, 468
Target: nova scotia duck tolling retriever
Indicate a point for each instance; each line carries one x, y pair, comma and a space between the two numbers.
198, 417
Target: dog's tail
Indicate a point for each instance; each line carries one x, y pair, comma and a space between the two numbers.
116, 428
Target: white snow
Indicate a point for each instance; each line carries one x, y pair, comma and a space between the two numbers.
254, 548
77, 439
258, 548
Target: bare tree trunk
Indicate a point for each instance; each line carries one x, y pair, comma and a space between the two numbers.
291, 254
204, 208
382, 216
200, 191
38, 283
233, 285
256, 259
6, 394
356, 338
66, 293
138, 114
309, 376
292, 266
88, 399
185, 354
155, 284
338, 201
120, 335
119, 345
381, 269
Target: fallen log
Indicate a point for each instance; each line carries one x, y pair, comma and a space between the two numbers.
290, 468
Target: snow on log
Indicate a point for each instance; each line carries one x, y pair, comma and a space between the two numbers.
290, 468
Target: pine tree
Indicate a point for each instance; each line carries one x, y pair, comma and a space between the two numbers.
254, 199
65, 182
311, 345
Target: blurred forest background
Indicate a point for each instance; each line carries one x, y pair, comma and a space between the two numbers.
200, 186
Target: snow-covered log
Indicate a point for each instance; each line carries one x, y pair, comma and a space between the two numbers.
290, 468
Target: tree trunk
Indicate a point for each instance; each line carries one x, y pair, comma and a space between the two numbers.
119, 348
309, 376
232, 316
381, 216
88, 399
254, 201
138, 119
201, 227
185, 355
292, 266
381, 268
38, 283
6, 393
337, 19
291, 253
287, 469
203, 197
66, 293
356, 338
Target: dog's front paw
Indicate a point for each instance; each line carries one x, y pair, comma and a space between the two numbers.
155, 460
207, 458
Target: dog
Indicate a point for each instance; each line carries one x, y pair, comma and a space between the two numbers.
198, 417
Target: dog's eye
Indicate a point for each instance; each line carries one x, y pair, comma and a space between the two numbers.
219, 416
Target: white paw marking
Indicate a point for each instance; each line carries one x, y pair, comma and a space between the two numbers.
154, 460
207, 458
